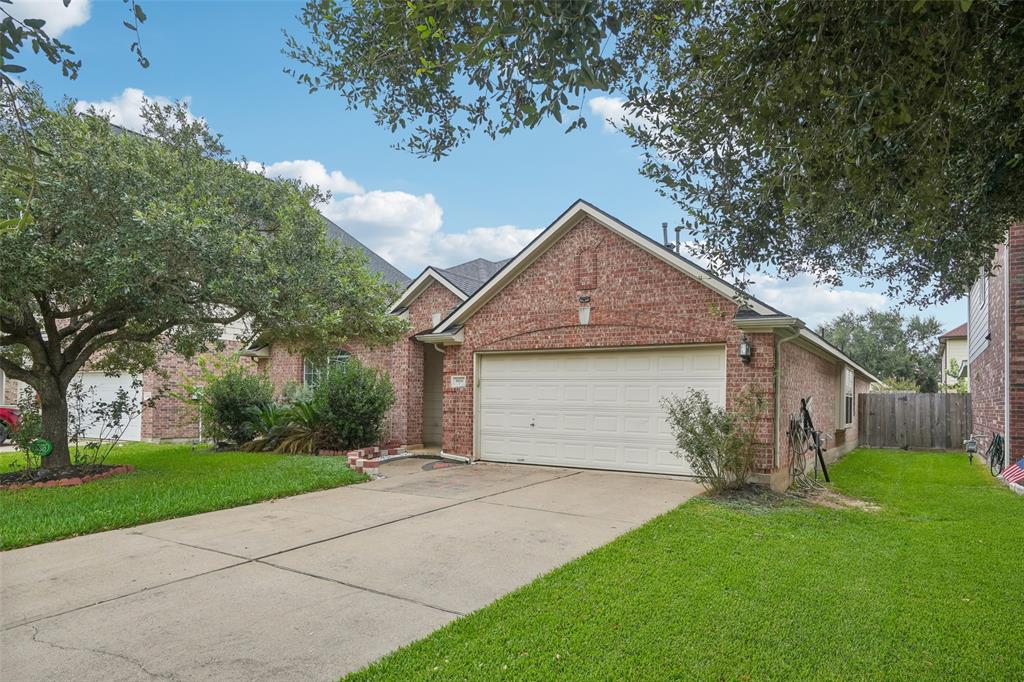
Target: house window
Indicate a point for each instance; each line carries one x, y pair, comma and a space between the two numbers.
977, 317
848, 397
313, 370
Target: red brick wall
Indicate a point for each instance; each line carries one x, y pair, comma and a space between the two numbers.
169, 418
802, 374
988, 369
283, 368
12, 390
403, 361
636, 300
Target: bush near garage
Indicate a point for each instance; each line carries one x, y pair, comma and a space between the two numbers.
353, 401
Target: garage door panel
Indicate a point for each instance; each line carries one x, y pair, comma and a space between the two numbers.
98, 387
606, 411
605, 423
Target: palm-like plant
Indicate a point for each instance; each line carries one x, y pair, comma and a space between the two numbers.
270, 423
305, 424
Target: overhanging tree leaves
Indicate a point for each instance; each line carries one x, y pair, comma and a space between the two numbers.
833, 137
143, 244
889, 345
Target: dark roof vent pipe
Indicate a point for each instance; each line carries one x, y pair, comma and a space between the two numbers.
679, 228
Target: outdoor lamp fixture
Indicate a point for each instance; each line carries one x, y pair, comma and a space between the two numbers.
584, 310
746, 351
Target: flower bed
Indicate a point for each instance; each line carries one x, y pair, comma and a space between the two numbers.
62, 478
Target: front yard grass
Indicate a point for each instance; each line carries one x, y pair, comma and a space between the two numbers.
168, 481
926, 588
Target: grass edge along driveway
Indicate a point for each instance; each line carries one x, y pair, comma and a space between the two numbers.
169, 481
718, 590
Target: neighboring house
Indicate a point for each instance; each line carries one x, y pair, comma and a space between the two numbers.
995, 341
167, 419
953, 351
562, 354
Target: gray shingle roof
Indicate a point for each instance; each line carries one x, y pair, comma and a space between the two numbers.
374, 261
472, 275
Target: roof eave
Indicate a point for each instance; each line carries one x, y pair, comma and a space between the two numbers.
455, 338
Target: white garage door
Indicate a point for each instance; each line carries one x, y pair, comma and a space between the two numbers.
596, 410
106, 390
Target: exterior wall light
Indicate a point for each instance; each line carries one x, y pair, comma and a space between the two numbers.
584, 310
746, 351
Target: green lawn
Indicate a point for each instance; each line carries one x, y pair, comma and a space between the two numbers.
927, 588
168, 481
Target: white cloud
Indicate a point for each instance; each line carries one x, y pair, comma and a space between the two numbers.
492, 243
397, 225
404, 228
813, 303
125, 109
612, 111
312, 173
58, 18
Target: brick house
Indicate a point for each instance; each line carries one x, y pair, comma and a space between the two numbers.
561, 355
995, 341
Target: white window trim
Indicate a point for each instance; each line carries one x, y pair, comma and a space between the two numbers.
308, 369
847, 389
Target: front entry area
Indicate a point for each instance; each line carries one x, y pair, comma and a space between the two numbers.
433, 361
591, 409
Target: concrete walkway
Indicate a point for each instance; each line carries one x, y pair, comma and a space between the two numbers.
309, 587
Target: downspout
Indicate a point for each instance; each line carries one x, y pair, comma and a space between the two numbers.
1007, 445
777, 386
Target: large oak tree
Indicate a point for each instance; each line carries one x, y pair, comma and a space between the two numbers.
890, 345
834, 137
135, 245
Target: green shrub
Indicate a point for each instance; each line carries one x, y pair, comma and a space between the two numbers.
718, 444
353, 400
229, 404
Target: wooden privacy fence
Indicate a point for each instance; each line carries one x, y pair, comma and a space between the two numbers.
930, 421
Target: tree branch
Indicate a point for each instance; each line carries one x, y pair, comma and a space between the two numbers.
15, 371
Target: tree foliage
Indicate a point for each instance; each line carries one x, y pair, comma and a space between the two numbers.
833, 137
900, 349
17, 32
142, 244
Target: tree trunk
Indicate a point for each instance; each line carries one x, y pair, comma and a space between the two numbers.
54, 412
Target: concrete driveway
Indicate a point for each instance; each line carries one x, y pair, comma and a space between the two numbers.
309, 587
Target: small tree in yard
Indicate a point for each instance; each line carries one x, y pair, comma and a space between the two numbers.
118, 247
953, 382
718, 444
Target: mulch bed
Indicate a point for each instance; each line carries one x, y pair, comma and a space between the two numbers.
755, 498
62, 477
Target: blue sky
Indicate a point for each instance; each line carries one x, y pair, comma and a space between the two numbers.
487, 199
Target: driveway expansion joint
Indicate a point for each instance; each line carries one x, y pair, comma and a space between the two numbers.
361, 588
